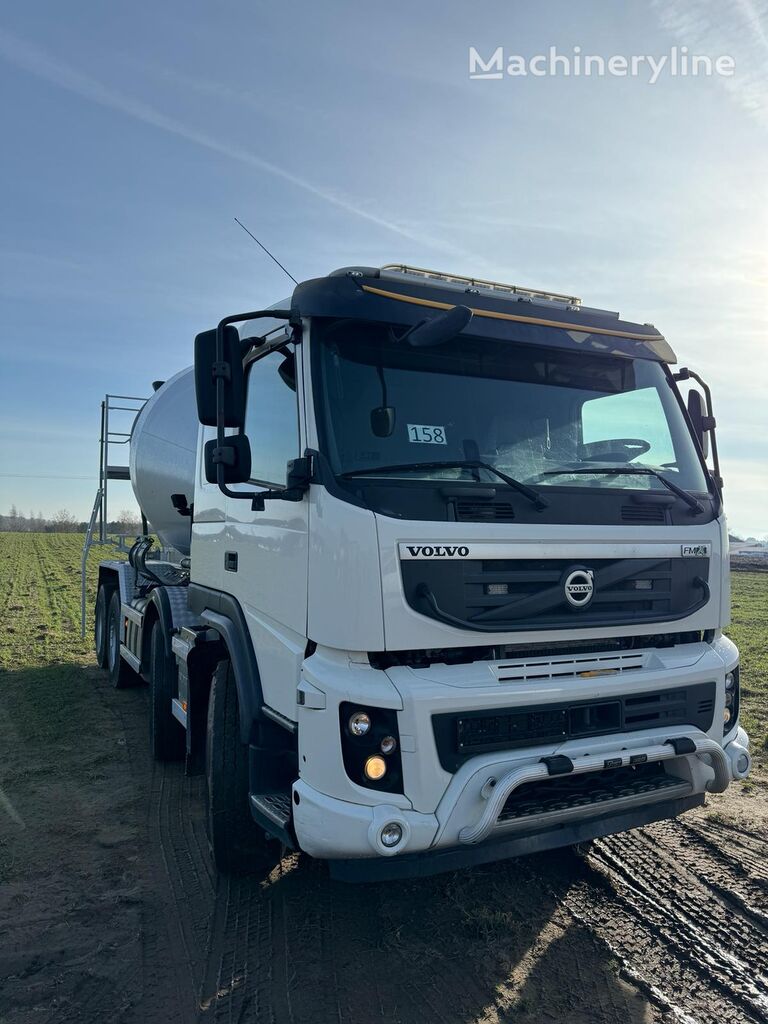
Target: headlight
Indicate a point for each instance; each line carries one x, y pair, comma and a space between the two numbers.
359, 723
732, 692
370, 746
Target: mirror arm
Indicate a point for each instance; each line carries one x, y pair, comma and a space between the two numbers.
298, 478
709, 423
222, 373
280, 494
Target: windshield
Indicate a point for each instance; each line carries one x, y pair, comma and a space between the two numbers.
543, 416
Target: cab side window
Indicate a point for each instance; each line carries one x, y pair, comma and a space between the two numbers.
271, 417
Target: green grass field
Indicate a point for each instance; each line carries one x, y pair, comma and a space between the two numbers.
40, 640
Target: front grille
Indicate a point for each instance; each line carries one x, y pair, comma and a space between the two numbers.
461, 735
601, 664
484, 511
577, 792
499, 595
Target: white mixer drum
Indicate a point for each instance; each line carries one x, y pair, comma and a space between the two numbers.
163, 455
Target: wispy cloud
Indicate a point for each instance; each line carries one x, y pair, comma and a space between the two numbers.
31, 58
754, 21
736, 28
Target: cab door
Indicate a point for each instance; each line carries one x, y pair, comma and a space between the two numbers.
266, 553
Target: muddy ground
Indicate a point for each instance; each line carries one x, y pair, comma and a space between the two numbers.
110, 910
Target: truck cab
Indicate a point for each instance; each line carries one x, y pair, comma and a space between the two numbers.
456, 577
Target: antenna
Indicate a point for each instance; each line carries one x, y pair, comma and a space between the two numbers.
266, 250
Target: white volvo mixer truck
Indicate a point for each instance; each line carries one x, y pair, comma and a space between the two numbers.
454, 581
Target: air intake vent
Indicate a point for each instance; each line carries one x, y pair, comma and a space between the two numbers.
706, 707
484, 512
643, 513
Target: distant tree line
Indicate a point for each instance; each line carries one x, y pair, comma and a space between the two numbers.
63, 522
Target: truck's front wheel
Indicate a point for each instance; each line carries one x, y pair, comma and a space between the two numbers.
237, 844
167, 736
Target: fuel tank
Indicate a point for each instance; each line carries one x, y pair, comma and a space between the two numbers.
163, 456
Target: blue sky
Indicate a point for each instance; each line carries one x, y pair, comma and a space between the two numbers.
342, 134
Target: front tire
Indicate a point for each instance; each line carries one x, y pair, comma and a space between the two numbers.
167, 736
237, 845
121, 675
100, 627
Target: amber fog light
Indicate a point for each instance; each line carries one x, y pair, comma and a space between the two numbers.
375, 768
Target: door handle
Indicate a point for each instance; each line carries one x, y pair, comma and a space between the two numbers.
230, 561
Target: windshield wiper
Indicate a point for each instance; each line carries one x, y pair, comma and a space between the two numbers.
694, 505
528, 492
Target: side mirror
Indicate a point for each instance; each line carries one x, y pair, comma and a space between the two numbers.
699, 419
234, 455
438, 329
207, 370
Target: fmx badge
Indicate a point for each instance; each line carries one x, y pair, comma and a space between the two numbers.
695, 550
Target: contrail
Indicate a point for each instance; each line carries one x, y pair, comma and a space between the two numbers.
37, 62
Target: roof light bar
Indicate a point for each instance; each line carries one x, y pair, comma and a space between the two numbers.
478, 283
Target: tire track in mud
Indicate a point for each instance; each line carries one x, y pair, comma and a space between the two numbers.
187, 878
745, 854
735, 885
243, 948
167, 962
179, 908
162, 983
699, 950
153, 979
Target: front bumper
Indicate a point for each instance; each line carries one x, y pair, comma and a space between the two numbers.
471, 814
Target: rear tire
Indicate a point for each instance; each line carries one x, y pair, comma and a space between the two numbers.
238, 846
100, 629
167, 737
121, 675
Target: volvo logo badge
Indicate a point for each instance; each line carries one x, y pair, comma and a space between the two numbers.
579, 587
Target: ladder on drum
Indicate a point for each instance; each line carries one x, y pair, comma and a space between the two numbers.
125, 408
